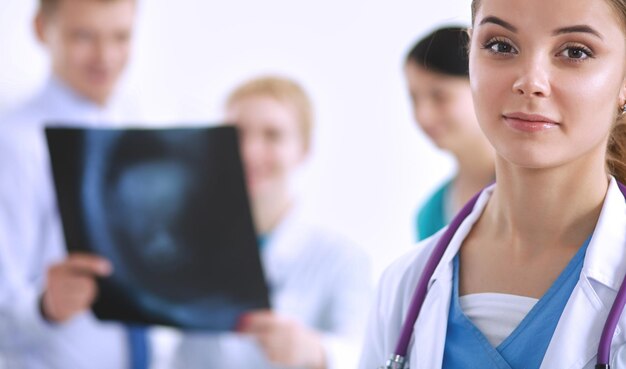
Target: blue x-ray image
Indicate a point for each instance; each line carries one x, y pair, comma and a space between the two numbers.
169, 209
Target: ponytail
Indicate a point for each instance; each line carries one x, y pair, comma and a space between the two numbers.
616, 150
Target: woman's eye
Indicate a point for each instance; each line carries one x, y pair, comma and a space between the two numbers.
576, 53
500, 47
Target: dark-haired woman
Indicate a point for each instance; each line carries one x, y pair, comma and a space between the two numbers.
436, 71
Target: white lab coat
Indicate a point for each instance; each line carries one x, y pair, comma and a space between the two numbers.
32, 239
315, 278
575, 341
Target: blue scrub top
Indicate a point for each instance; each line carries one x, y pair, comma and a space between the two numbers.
467, 348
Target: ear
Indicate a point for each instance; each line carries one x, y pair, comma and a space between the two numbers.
468, 31
39, 23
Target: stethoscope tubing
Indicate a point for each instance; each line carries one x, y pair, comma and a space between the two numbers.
433, 261
604, 347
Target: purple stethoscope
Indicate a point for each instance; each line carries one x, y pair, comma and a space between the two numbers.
398, 359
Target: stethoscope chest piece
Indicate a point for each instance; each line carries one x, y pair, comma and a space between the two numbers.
396, 362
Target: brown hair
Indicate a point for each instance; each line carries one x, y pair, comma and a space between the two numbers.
283, 90
616, 148
48, 7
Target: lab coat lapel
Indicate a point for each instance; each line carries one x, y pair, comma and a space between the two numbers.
432, 323
576, 337
575, 340
283, 247
427, 351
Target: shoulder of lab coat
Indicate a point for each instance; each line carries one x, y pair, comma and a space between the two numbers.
394, 296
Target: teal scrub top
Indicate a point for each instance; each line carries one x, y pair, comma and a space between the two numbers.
432, 215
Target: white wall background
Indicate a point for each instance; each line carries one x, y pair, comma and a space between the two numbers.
370, 166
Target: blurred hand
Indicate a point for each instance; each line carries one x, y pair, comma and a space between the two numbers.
71, 286
285, 341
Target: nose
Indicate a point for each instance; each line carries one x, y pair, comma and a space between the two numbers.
251, 148
534, 80
107, 52
424, 114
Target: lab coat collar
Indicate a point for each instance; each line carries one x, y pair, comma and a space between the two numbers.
63, 93
444, 269
604, 261
65, 106
602, 264
283, 246
437, 302
577, 335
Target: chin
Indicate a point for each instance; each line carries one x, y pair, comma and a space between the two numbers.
263, 190
97, 94
531, 160
99, 87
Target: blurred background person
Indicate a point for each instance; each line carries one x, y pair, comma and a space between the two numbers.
436, 70
180, 73
45, 294
319, 284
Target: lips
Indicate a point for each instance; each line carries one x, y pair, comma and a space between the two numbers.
529, 122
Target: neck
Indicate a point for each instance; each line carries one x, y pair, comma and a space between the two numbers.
269, 210
475, 171
534, 208
97, 101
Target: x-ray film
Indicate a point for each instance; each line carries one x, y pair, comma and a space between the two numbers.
169, 209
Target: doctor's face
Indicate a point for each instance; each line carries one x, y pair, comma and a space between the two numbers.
547, 78
89, 43
443, 107
272, 143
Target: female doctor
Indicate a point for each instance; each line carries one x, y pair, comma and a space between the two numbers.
318, 283
530, 273
436, 71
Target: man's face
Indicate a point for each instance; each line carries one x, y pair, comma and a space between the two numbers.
89, 43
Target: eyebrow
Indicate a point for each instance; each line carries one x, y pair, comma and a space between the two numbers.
499, 22
577, 29
581, 28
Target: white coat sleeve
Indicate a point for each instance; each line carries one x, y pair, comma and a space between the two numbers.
352, 292
388, 311
21, 262
374, 352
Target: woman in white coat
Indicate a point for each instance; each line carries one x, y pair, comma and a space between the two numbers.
529, 276
318, 282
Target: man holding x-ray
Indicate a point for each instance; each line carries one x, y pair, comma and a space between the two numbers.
44, 294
